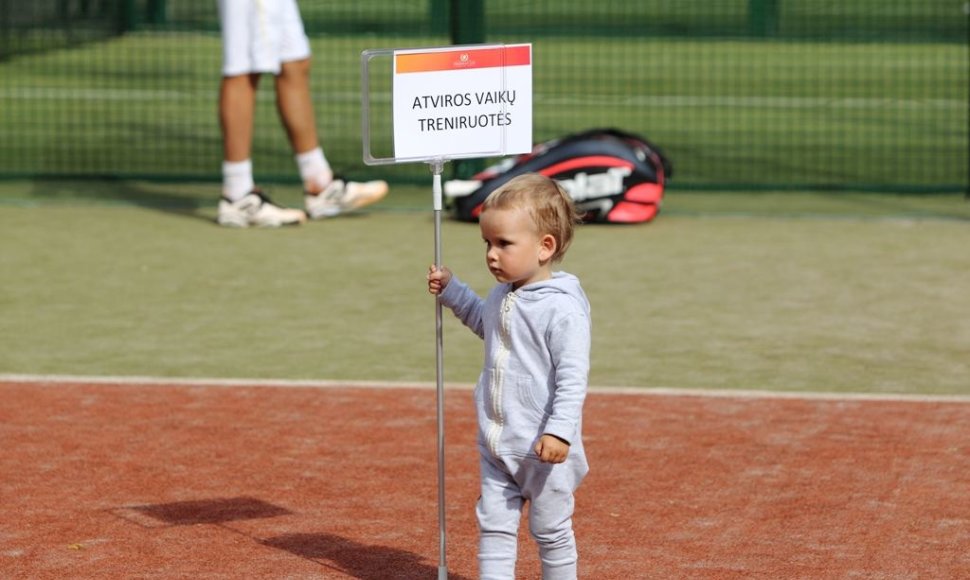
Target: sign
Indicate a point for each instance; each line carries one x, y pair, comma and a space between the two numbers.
454, 102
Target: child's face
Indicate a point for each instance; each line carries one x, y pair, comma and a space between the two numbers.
514, 250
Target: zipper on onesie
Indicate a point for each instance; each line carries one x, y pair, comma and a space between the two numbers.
497, 386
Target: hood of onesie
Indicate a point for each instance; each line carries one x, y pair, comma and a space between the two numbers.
560, 283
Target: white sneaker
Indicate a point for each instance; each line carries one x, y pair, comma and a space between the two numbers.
256, 209
343, 196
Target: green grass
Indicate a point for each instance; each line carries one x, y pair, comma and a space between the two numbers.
786, 291
730, 113
780, 289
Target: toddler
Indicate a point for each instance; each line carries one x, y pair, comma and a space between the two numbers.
529, 397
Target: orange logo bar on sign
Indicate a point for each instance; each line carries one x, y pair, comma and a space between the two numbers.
463, 59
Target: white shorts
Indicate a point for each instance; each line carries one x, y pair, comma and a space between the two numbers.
259, 35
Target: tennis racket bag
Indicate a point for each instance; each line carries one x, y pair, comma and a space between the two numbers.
613, 176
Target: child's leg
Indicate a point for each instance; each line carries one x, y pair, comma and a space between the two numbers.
499, 511
551, 524
551, 504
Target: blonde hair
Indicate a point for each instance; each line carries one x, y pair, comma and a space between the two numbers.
552, 210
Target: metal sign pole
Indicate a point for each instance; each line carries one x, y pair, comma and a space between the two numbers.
436, 168
417, 76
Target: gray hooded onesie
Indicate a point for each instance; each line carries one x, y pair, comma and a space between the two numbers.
534, 380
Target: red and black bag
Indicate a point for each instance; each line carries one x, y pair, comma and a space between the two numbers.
613, 176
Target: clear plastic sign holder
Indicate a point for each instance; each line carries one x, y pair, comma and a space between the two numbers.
384, 102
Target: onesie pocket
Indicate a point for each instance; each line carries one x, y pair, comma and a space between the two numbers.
481, 388
534, 397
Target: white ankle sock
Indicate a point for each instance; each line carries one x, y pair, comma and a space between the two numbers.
237, 179
314, 170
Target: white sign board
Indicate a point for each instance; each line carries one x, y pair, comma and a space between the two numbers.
455, 102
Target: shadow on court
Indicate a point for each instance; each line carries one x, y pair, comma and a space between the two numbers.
356, 559
182, 200
210, 511
336, 553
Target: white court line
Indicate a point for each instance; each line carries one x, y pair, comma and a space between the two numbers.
55, 94
326, 384
755, 102
660, 101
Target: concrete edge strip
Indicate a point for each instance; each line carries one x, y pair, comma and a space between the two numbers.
55, 380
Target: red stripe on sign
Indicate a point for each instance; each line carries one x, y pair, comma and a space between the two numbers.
581, 162
463, 59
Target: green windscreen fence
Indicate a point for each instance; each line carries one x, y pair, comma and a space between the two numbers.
741, 94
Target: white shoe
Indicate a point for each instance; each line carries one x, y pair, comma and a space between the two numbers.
343, 196
256, 209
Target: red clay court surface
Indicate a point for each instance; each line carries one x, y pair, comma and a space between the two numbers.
127, 480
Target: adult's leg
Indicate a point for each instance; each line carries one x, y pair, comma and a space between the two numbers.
325, 196
295, 105
237, 109
242, 205
244, 56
